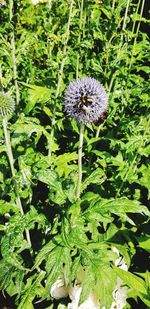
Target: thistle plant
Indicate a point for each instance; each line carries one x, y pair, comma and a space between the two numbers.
85, 101
86, 247
7, 106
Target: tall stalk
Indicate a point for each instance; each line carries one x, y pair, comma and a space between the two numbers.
79, 37
13, 52
121, 42
49, 6
50, 23
113, 4
81, 136
64, 52
13, 172
118, 53
80, 160
137, 31
1, 78
134, 22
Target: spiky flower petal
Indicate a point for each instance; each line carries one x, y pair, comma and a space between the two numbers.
7, 104
85, 100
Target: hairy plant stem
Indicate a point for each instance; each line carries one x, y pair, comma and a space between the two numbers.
49, 45
1, 78
64, 52
99, 128
13, 172
118, 53
13, 52
125, 18
121, 43
136, 35
134, 22
80, 160
79, 37
49, 5
113, 4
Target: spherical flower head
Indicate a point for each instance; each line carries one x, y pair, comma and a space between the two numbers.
7, 104
85, 100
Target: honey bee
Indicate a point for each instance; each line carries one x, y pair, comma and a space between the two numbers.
85, 102
102, 117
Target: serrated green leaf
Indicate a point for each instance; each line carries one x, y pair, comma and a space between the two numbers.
95, 177
6, 207
66, 158
54, 266
2, 148
90, 196
67, 266
36, 94
46, 250
76, 264
106, 282
112, 230
32, 289
6, 271
26, 304
131, 280
51, 178
120, 206
88, 284
144, 243
106, 12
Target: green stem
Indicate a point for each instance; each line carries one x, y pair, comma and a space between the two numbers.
8, 146
141, 13
118, 53
125, 17
136, 35
49, 5
64, 52
13, 172
134, 23
79, 37
13, 52
49, 45
77, 66
98, 129
121, 43
113, 4
1, 78
80, 160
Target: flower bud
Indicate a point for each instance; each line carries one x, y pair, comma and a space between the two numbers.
7, 104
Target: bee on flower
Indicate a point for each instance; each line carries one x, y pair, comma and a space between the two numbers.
85, 100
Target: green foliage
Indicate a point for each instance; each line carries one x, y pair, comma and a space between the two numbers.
136, 283
33, 288
42, 48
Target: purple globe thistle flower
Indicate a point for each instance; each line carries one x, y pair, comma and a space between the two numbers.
85, 100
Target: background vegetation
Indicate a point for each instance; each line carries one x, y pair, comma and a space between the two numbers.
43, 47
